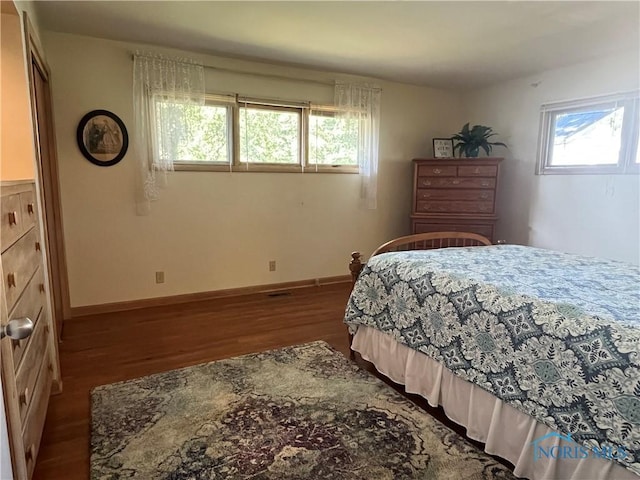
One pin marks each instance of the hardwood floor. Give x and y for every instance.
(107, 348)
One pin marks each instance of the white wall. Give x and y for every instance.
(213, 230)
(16, 147)
(587, 214)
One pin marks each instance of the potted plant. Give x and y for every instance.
(471, 140)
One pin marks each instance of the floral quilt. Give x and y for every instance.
(555, 335)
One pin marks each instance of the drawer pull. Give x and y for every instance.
(13, 218)
(477, 170)
(437, 171)
(41, 287)
(426, 182)
(30, 210)
(11, 280)
(485, 184)
(456, 182)
(29, 453)
(24, 396)
(484, 196)
(37, 246)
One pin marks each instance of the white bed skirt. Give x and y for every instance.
(505, 431)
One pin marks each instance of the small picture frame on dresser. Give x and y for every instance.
(442, 148)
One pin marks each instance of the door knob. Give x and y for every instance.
(17, 329)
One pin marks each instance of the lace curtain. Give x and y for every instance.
(161, 88)
(362, 103)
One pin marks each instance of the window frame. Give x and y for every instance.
(220, 100)
(628, 142)
(234, 103)
(323, 168)
(269, 105)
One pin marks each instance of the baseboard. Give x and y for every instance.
(199, 296)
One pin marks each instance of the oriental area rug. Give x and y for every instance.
(301, 412)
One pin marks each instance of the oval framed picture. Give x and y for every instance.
(102, 138)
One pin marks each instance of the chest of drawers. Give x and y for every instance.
(30, 365)
(455, 195)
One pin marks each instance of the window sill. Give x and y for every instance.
(590, 170)
(257, 168)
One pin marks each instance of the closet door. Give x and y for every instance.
(47, 164)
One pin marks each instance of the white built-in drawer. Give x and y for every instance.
(19, 263)
(11, 222)
(37, 411)
(28, 209)
(27, 372)
(30, 305)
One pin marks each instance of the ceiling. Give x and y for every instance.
(442, 44)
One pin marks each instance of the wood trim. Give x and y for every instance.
(200, 296)
(9, 187)
(49, 183)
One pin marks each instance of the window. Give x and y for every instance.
(333, 141)
(242, 134)
(598, 135)
(270, 134)
(203, 135)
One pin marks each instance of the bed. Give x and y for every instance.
(535, 352)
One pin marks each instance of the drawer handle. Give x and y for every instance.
(426, 182)
(37, 246)
(485, 184)
(29, 454)
(30, 209)
(24, 396)
(11, 280)
(41, 287)
(437, 171)
(484, 196)
(13, 218)
(456, 182)
(477, 170)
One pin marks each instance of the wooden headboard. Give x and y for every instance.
(420, 241)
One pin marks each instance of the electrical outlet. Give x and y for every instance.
(159, 277)
(272, 265)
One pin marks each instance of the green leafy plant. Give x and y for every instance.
(471, 140)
